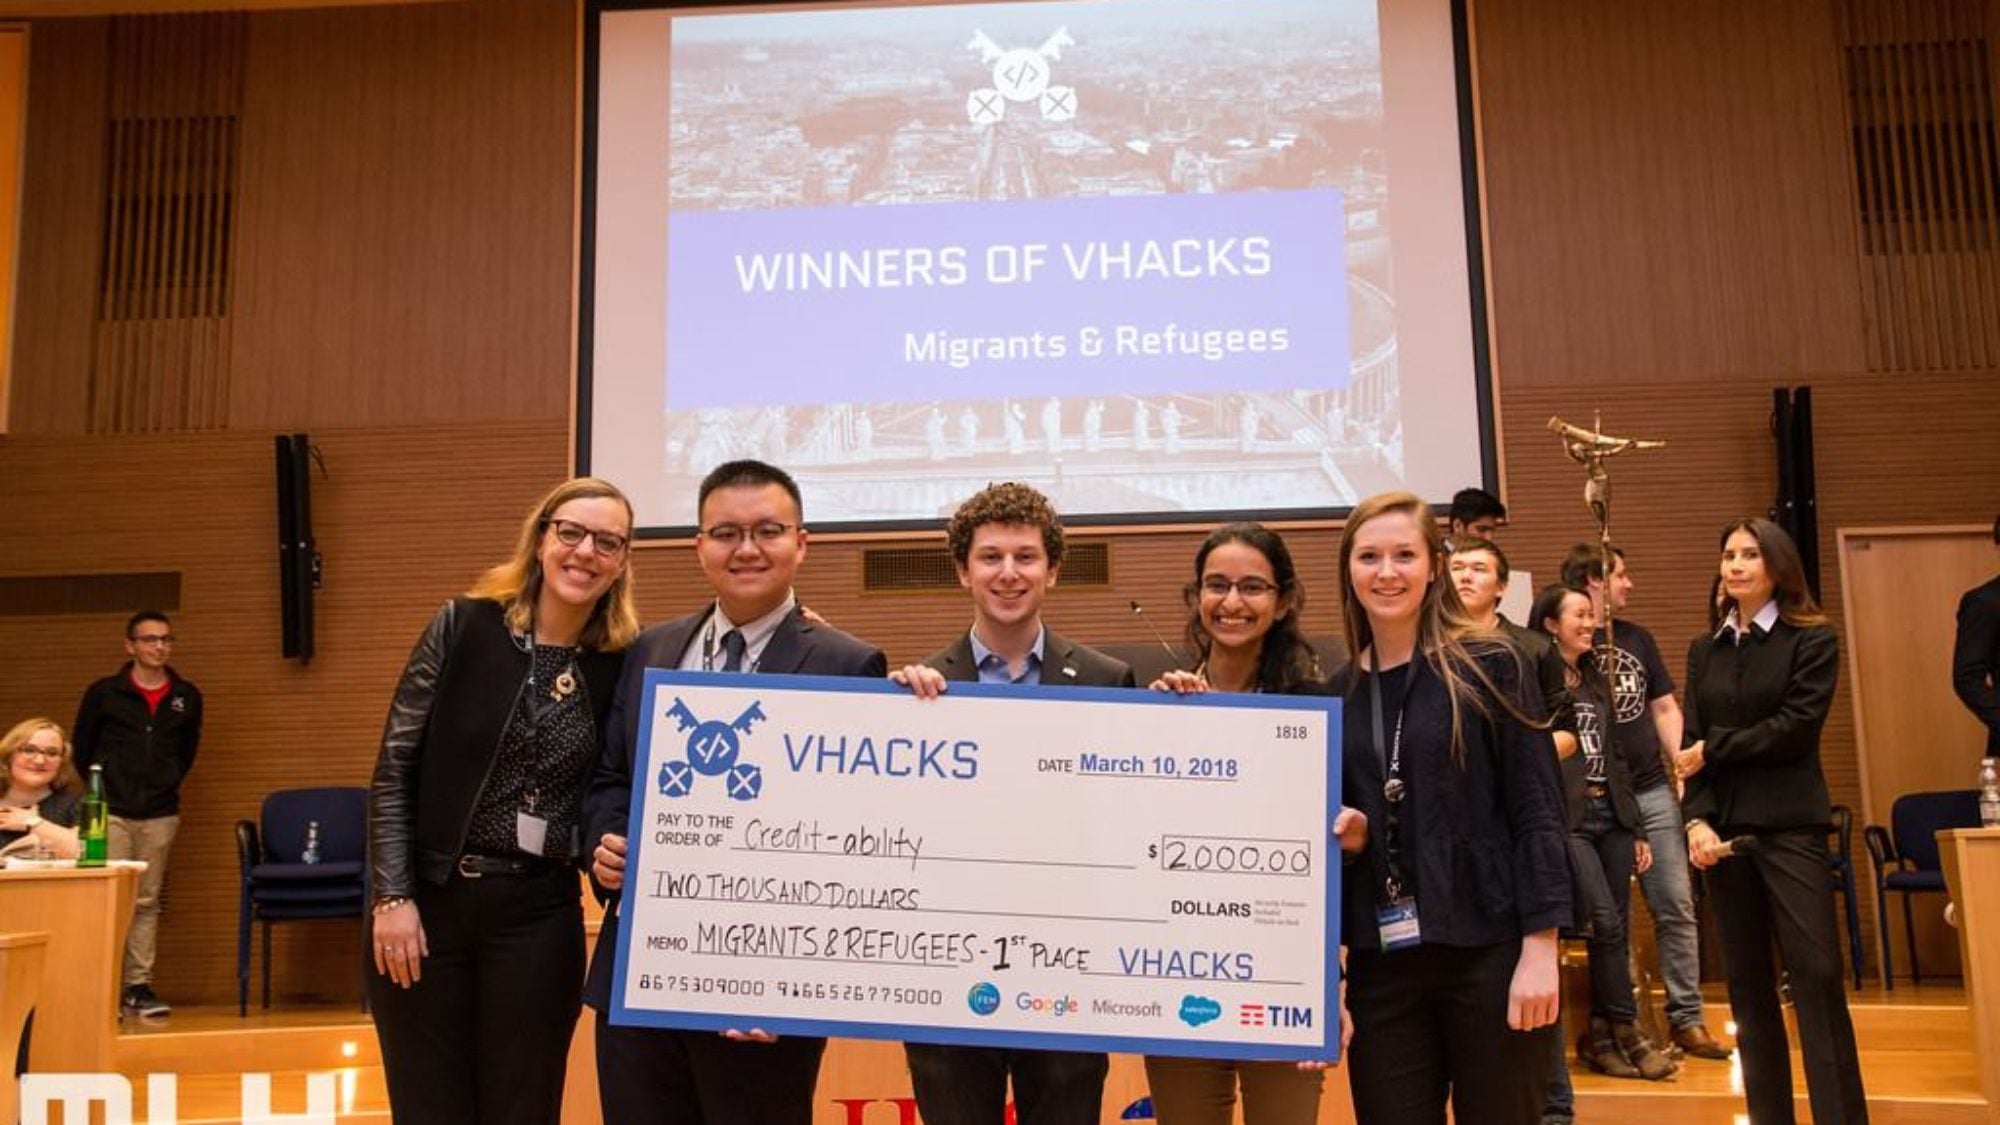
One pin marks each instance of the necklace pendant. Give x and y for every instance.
(565, 684)
(1392, 790)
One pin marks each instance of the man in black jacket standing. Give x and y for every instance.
(143, 725)
(1975, 658)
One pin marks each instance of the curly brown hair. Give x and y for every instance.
(1008, 502)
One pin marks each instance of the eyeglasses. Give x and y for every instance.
(40, 752)
(572, 534)
(153, 639)
(733, 534)
(1216, 586)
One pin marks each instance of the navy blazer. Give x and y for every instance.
(797, 648)
(1063, 662)
(1483, 838)
(1975, 658)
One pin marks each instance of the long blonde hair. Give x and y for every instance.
(66, 777)
(1443, 626)
(516, 583)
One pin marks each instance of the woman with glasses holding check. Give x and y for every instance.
(472, 823)
(1243, 625)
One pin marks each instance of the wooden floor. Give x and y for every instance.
(1916, 1061)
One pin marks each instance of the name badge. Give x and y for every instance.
(531, 832)
(1397, 922)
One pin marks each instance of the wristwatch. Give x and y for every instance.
(33, 821)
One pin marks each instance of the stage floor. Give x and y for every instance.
(1916, 1060)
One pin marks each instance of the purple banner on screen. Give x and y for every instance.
(1104, 295)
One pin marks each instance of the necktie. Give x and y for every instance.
(732, 651)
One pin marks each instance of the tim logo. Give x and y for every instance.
(712, 750)
(1021, 75)
(1273, 1015)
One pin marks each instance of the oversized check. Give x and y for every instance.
(1066, 868)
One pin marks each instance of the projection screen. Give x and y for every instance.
(1170, 261)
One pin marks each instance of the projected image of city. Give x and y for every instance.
(1035, 102)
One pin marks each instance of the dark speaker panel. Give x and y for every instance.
(298, 557)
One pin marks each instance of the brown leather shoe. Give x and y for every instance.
(1651, 1062)
(1598, 1050)
(1694, 1039)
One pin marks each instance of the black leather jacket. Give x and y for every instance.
(441, 737)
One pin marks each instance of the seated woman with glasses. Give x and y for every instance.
(1243, 624)
(43, 791)
(473, 819)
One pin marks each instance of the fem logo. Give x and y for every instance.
(984, 999)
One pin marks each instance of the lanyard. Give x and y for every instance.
(1390, 755)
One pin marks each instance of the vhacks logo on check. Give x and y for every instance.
(712, 751)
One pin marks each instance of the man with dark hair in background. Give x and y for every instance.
(1475, 514)
(1007, 544)
(142, 723)
(1975, 656)
(749, 545)
(1647, 722)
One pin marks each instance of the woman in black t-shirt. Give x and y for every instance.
(1605, 845)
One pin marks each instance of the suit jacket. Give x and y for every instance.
(797, 648)
(1975, 658)
(1760, 706)
(1063, 662)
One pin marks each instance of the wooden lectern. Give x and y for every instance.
(85, 913)
(1972, 878)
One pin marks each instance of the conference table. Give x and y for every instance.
(85, 913)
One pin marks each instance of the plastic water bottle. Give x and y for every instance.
(96, 826)
(1989, 792)
(311, 854)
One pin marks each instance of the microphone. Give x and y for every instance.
(1139, 612)
(1738, 845)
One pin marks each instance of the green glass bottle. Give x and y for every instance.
(96, 826)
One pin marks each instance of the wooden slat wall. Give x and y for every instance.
(1672, 229)
(13, 126)
(1922, 102)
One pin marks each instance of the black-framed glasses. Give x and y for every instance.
(153, 639)
(1216, 586)
(733, 534)
(572, 534)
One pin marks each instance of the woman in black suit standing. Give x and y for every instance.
(1758, 690)
(472, 820)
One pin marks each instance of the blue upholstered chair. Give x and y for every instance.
(1906, 858)
(278, 885)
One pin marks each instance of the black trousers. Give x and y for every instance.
(647, 1075)
(483, 1037)
(968, 1085)
(1781, 892)
(1430, 1025)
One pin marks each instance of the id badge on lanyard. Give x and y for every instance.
(1395, 911)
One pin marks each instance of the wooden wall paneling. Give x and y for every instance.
(1668, 190)
(13, 123)
(1912, 734)
(404, 244)
(61, 199)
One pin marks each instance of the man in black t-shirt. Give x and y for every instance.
(1647, 728)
